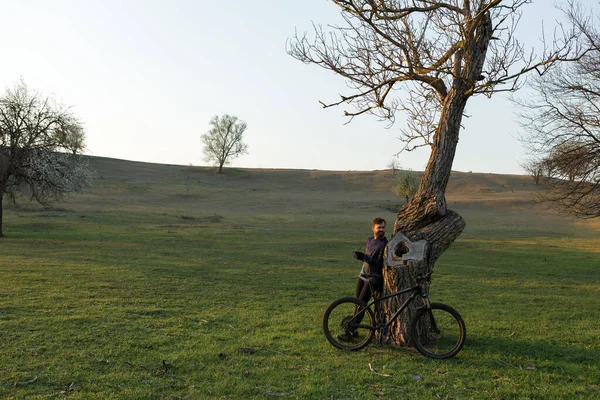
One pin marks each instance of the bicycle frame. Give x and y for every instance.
(417, 290)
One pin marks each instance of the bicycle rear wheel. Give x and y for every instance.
(345, 331)
(438, 333)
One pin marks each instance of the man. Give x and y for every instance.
(372, 260)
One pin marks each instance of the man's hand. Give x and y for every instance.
(359, 255)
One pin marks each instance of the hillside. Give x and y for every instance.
(197, 192)
(170, 184)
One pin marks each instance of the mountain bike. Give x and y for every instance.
(436, 330)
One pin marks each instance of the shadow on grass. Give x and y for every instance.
(531, 352)
(510, 353)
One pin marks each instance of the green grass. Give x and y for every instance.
(136, 291)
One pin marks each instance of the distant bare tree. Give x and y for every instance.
(394, 165)
(562, 123)
(32, 145)
(224, 140)
(427, 58)
(534, 168)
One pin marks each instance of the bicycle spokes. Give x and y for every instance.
(438, 332)
(346, 330)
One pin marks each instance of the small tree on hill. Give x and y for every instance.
(224, 140)
(534, 168)
(38, 160)
(574, 160)
(394, 165)
(406, 184)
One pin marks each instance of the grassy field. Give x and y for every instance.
(170, 282)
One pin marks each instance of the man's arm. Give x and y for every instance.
(365, 257)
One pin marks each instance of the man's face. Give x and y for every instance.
(379, 230)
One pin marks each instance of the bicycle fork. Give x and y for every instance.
(426, 302)
(430, 317)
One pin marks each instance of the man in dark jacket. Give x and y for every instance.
(372, 260)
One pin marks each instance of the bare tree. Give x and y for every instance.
(426, 58)
(574, 160)
(406, 184)
(562, 123)
(33, 162)
(224, 140)
(535, 168)
(394, 165)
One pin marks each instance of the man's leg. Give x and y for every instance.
(363, 292)
(361, 286)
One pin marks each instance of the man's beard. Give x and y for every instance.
(379, 235)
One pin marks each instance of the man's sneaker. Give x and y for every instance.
(348, 336)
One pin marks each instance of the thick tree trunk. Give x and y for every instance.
(429, 202)
(426, 217)
(435, 239)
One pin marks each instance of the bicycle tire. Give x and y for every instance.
(449, 338)
(337, 321)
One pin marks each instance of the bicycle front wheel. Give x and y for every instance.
(348, 324)
(438, 333)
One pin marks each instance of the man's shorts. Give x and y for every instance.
(366, 269)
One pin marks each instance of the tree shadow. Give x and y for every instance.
(518, 353)
(512, 353)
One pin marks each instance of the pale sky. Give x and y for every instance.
(146, 77)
